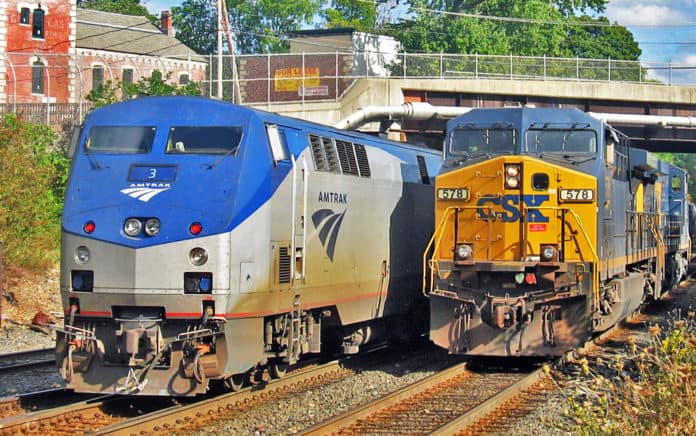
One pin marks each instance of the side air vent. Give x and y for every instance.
(425, 178)
(330, 152)
(320, 162)
(341, 157)
(284, 265)
(363, 162)
(347, 157)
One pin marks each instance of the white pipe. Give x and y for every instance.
(426, 111)
(409, 111)
(645, 120)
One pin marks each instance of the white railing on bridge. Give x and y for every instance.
(273, 78)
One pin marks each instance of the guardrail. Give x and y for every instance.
(299, 77)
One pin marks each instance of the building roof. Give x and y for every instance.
(323, 32)
(128, 34)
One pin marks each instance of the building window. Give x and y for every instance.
(183, 79)
(97, 76)
(38, 27)
(37, 77)
(127, 75)
(24, 14)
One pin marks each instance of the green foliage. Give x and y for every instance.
(433, 27)
(196, 25)
(125, 7)
(156, 84)
(33, 176)
(104, 94)
(349, 13)
(259, 26)
(652, 392)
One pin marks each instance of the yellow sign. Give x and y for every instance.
(290, 79)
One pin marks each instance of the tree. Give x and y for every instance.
(156, 84)
(260, 26)
(125, 7)
(196, 25)
(600, 42)
(349, 13)
(544, 27)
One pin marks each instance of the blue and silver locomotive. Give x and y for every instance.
(207, 241)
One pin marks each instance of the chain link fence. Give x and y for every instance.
(279, 78)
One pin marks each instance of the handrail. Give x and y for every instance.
(661, 248)
(436, 240)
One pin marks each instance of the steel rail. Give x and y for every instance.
(168, 419)
(492, 404)
(351, 417)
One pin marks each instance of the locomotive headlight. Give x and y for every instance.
(512, 176)
(82, 255)
(132, 227)
(548, 253)
(464, 251)
(198, 256)
(512, 170)
(152, 226)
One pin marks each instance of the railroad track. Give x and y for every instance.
(24, 359)
(125, 415)
(441, 404)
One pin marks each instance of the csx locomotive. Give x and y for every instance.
(206, 241)
(549, 228)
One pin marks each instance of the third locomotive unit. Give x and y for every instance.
(549, 228)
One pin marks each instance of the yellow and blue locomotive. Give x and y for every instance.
(549, 227)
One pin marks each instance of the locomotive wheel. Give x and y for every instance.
(277, 368)
(235, 383)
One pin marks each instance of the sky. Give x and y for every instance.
(665, 30)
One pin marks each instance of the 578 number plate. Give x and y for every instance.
(576, 195)
(453, 194)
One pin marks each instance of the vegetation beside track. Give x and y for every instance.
(649, 390)
(33, 174)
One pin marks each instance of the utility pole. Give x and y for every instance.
(219, 49)
(237, 95)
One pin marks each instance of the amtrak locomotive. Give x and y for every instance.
(549, 228)
(207, 241)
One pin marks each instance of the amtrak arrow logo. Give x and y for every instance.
(142, 193)
(328, 223)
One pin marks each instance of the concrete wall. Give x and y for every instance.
(678, 100)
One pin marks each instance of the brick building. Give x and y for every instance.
(53, 52)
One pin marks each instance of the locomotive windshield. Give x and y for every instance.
(561, 141)
(476, 141)
(204, 139)
(120, 139)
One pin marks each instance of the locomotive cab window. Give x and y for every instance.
(120, 139)
(676, 184)
(470, 141)
(561, 141)
(278, 141)
(204, 139)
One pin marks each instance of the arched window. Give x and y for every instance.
(24, 15)
(37, 77)
(127, 75)
(97, 76)
(38, 27)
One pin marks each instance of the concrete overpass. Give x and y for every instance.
(603, 97)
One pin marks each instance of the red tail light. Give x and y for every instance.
(195, 228)
(89, 227)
